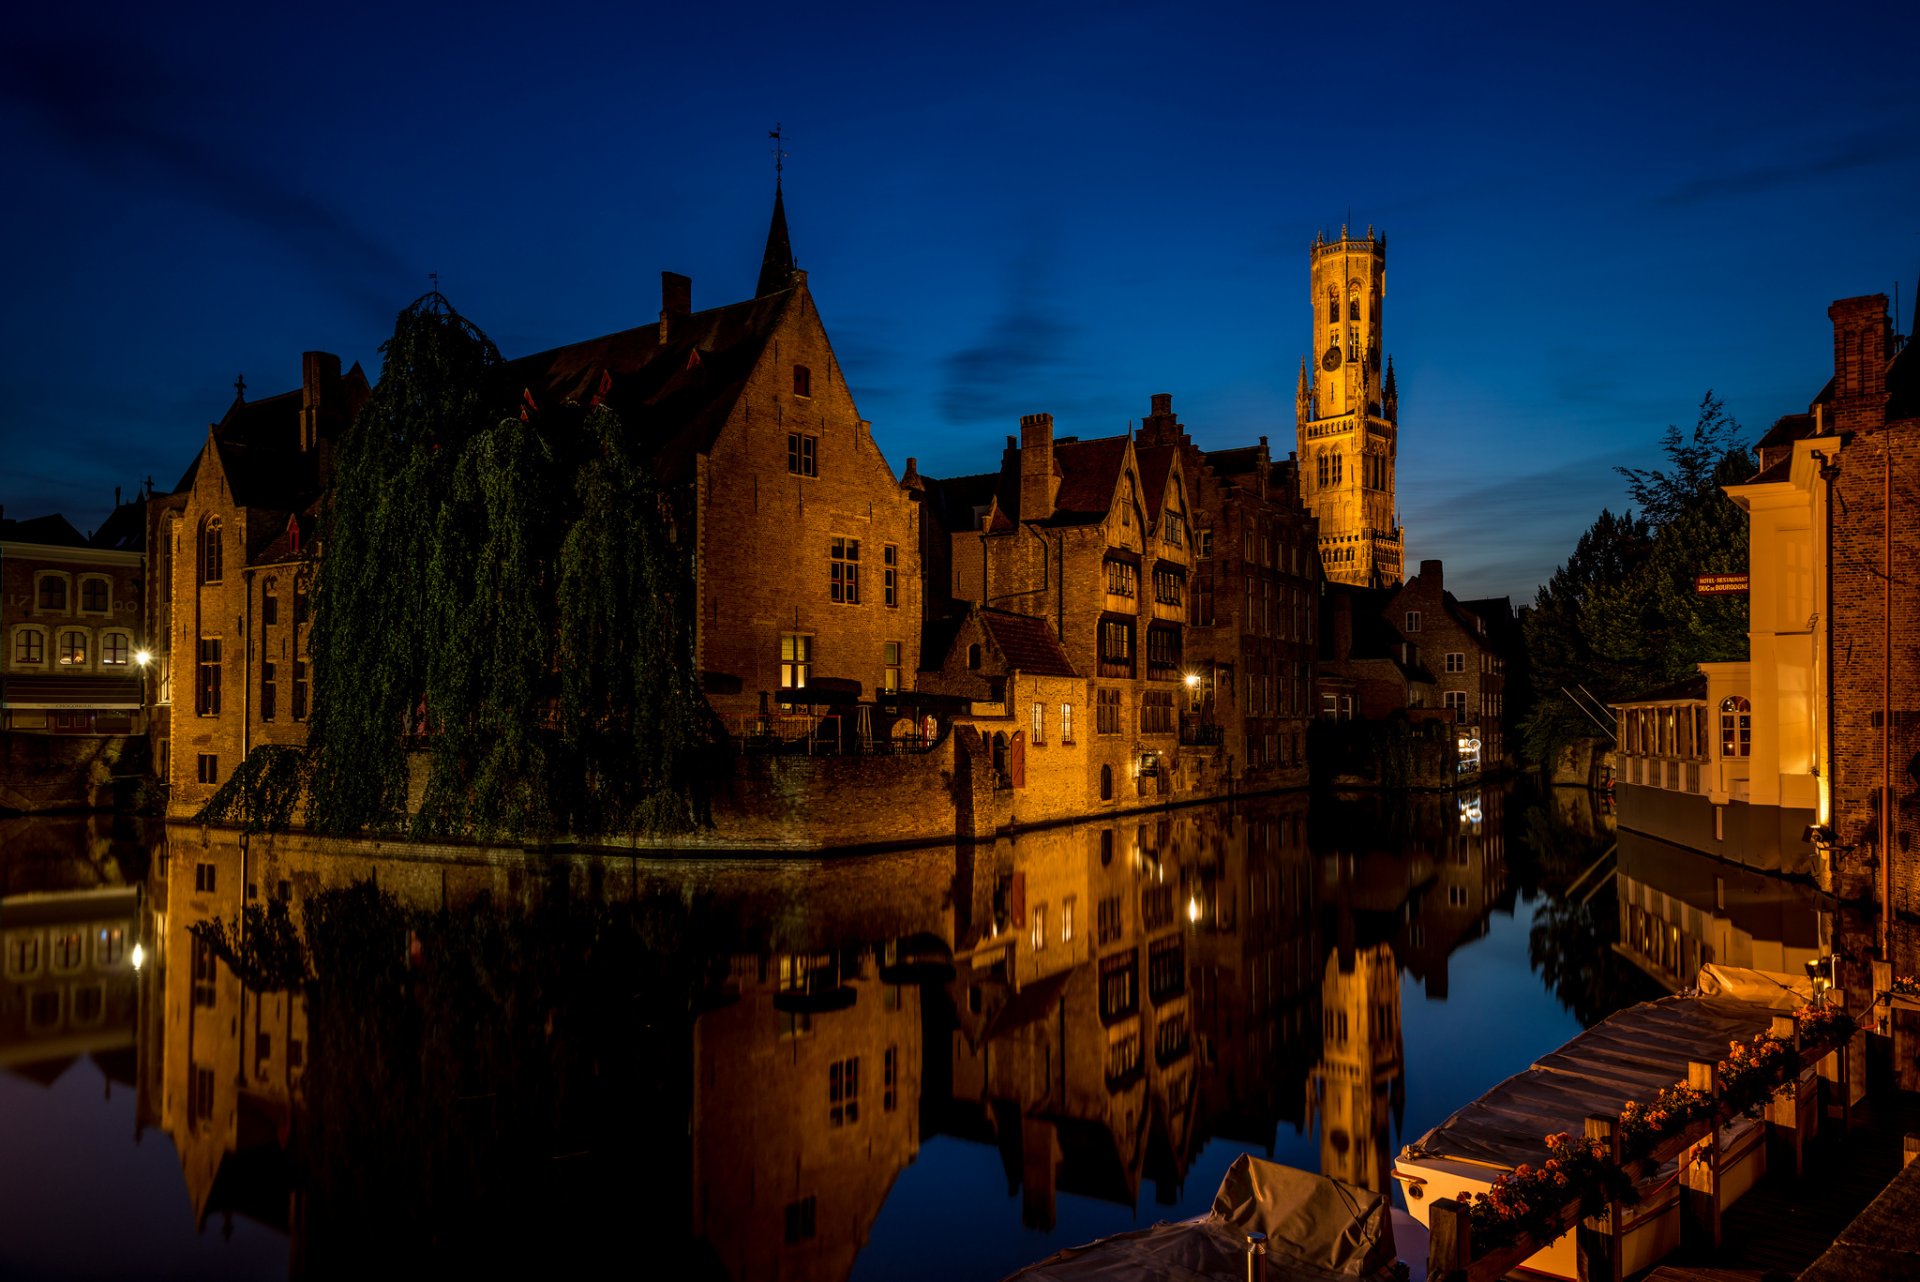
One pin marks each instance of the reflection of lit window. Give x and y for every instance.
(1039, 927)
(108, 946)
(69, 949)
(23, 955)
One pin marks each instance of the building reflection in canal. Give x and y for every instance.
(733, 1063)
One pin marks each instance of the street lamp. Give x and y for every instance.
(143, 657)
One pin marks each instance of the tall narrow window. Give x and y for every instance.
(796, 660)
(802, 381)
(1039, 723)
(890, 574)
(299, 689)
(891, 653)
(207, 698)
(212, 555)
(269, 692)
(1066, 723)
(1736, 727)
(270, 603)
(1413, 620)
(843, 571)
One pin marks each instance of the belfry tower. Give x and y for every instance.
(1347, 413)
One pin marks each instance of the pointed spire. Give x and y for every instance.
(776, 265)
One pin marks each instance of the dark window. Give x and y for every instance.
(1123, 1056)
(1106, 784)
(973, 657)
(270, 604)
(843, 571)
(1119, 985)
(890, 1084)
(1166, 969)
(800, 454)
(800, 1220)
(30, 646)
(1170, 1040)
(843, 1092)
(269, 692)
(1156, 906)
(1116, 648)
(209, 768)
(1169, 585)
(1109, 917)
(890, 574)
(93, 595)
(200, 1100)
(1175, 527)
(302, 603)
(1163, 649)
(802, 381)
(207, 699)
(1106, 710)
(299, 689)
(203, 972)
(53, 593)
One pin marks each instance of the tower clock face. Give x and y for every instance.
(1331, 361)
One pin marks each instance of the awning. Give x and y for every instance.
(66, 692)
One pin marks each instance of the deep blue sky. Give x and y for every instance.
(1595, 214)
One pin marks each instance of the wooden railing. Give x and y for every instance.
(1598, 1247)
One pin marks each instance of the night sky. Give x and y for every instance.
(1595, 214)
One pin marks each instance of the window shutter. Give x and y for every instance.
(1017, 759)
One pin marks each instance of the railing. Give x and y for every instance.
(1196, 734)
(1790, 1116)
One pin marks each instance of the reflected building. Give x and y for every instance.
(1359, 1086)
(1680, 910)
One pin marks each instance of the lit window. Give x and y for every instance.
(800, 454)
(1736, 727)
(1066, 723)
(1039, 936)
(891, 653)
(796, 660)
(1066, 920)
(1039, 723)
(115, 649)
(843, 571)
(72, 649)
(1123, 578)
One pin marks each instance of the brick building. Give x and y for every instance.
(1468, 668)
(805, 546)
(232, 575)
(71, 625)
(1253, 603)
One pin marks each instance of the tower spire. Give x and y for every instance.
(776, 264)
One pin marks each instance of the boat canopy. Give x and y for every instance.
(1318, 1230)
(1630, 1055)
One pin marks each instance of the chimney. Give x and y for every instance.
(676, 299)
(1430, 575)
(1862, 334)
(1036, 467)
(319, 376)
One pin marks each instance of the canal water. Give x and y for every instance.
(254, 1058)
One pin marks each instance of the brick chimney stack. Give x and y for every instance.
(1862, 340)
(1160, 427)
(1036, 467)
(319, 376)
(1430, 575)
(676, 299)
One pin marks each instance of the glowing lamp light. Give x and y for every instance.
(138, 956)
(1193, 679)
(1193, 908)
(143, 657)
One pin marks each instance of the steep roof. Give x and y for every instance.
(776, 264)
(1027, 644)
(1903, 385)
(678, 394)
(48, 531)
(1238, 461)
(1156, 461)
(1089, 471)
(124, 530)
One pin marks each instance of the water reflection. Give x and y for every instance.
(504, 1058)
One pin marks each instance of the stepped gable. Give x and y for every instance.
(1027, 643)
(678, 394)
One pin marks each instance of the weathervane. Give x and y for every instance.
(240, 387)
(435, 278)
(779, 153)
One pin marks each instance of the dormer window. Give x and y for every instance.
(802, 381)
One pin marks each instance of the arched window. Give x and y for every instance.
(1333, 306)
(1736, 727)
(1353, 307)
(973, 657)
(1106, 794)
(211, 555)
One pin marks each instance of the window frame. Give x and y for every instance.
(212, 552)
(105, 584)
(22, 634)
(106, 649)
(843, 570)
(42, 579)
(65, 649)
(803, 454)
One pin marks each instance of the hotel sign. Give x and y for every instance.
(1719, 584)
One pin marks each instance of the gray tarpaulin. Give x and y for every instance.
(1630, 1055)
(1318, 1230)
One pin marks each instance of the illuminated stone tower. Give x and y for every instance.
(1347, 414)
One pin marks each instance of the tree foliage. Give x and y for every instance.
(1621, 617)
(501, 606)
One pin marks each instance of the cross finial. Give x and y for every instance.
(779, 151)
(240, 387)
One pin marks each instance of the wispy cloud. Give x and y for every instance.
(1020, 357)
(113, 105)
(1861, 150)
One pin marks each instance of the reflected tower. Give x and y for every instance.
(1347, 413)
(1361, 1079)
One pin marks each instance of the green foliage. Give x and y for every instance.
(1621, 617)
(263, 793)
(262, 948)
(508, 598)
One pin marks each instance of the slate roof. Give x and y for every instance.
(677, 395)
(1089, 471)
(1903, 385)
(1027, 644)
(124, 530)
(1156, 461)
(1234, 462)
(48, 531)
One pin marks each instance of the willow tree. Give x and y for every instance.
(375, 604)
